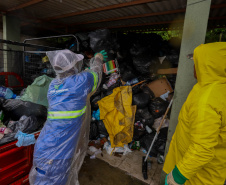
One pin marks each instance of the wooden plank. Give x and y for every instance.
(167, 71)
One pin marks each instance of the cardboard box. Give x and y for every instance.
(167, 71)
(160, 87)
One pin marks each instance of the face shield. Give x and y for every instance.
(64, 61)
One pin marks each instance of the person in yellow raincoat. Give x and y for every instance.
(197, 152)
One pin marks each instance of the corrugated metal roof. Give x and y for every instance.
(5, 5)
(59, 15)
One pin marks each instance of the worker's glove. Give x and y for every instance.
(170, 180)
(175, 177)
(102, 55)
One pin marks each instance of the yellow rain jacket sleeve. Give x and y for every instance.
(198, 147)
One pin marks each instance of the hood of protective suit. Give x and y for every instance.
(210, 63)
(64, 60)
(198, 146)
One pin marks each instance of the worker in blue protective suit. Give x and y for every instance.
(61, 146)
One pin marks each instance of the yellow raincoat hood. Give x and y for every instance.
(198, 146)
(210, 63)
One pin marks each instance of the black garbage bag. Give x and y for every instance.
(136, 89)
(111, 54)
(145, 142)
(103, 40)
(144, 113)
(159, 145)
(101, 128)
(128, 75)
(161, 141)
(157, 107)
(138, 133)
(145, 89)
(25, 124)
(122, 55)
(14, 109)
(93, 134)
(144, 116)
(173, 59)
(148, 122)
(141, 100)
(94, 101)
(145, 64)
(98, 39)
(138, 49)
(122, 67)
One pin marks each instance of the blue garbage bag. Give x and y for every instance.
(24, 139)
(96, 114)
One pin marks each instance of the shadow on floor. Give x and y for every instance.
(98, 172)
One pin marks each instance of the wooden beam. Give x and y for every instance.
(24, 5)
(110, 7)
(218, 6)
(141, 15)
(147, 24)
(164, 22)
(156, 23)
(132, 25)
(217, 18)
(130, 17)
(126, 17)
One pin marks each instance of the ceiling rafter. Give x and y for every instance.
(148, 24)
(110, 7)
(24, 5)
(163, 22)
(136, 2)
(142, 15)
(217, 18)
(130, 17)
(133, 25)
(218, 6)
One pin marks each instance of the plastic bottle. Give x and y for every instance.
(6, 93)
(133, 81)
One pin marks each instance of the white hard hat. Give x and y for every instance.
(63, 60)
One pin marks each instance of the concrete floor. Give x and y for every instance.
(112, 170)
(98, 172)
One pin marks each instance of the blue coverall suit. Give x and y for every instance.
(55, 147)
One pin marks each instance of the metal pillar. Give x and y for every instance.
(194, 32)
(11, 60)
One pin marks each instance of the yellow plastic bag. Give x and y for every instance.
(118, 115)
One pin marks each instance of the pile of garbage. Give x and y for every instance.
(22, 115)
(133, 61)
(129, 104)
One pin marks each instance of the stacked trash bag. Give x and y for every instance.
(23, 114)
(137, 58)
(125, 110)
